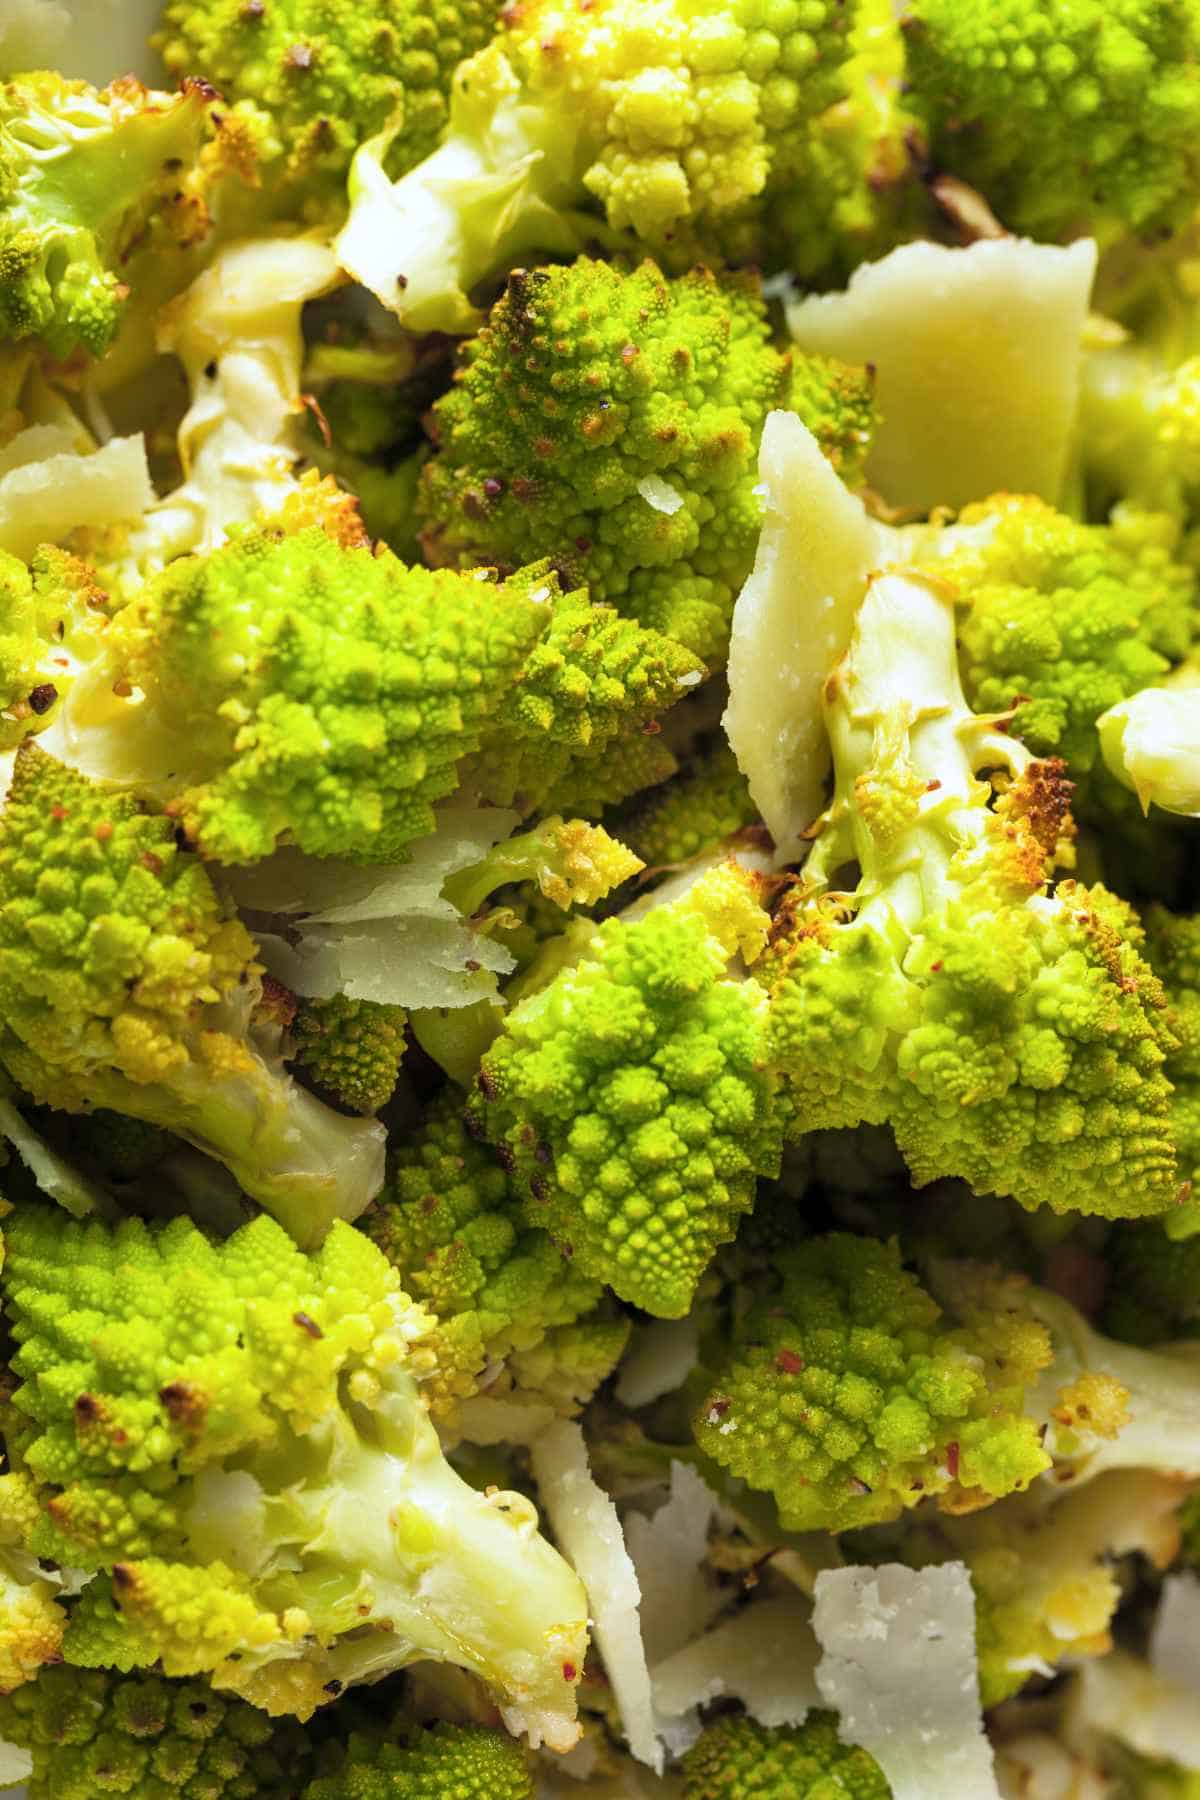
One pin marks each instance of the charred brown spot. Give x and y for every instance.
(487, 1085)
(87, 1409)
(184, 1405)
(149, 861)
(307, 1324)
(717, 1407)
(42, 697)
(952, 1460)
(538, 1189)
(198, 88)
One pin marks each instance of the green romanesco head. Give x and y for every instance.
(113, 941)
(442, 1762)
(52, 616)
(304, 687)
(1072, 117)
(32, 1620)
(1061, 620)
(575, 730)
(99, 1636)
(681, 107)
(738, 1759)
(104, 1733)
(234, 1433)
(351, 1049)
(450, 1223)
(1009, 1035)
(692, 813)
(609, 418)
(850, 1395)
(330, 73)
(84, 178)
(630, 1097)
(1173, 950)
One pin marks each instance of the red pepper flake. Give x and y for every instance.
(789, 1362)
(952, 1460)
(569, 1671)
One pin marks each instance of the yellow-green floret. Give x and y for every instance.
(52, 616)
(1075, 116)
(85, 177)
(235, 1434)
(444, 1762)
(1009, 1034)
(329, 73)
(851, 1396)
(128, 983)
(151, 1739)
(449, 1221)
(609, 419)
(738, 1759)
(352, 1049)
(630, 1097)
(1061, 620)
(302, 686)
(32, 1620)
(693, 812)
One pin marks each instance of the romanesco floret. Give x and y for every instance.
(32, 1622)
(443, 1762)
(1071, 117)
(852, 1391)
(84, 177)
(659, 122)
(1009, 1035)
(610, 419)
(738, 1759)
(236, 1433)
(692, 813)
(52, 617)
(328, 75)
(298, 685)
(149, 1739)
(351, 1049)
(851, 1396)
(449, 1221)
(630, 1096)
(1062, 620)
(128, 983)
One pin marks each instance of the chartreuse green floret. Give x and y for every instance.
(32, 1622)
(1011, 1036)
(1073, 117)
(449, 1221)
(441, 1762)
(630, 1096)
(150, 1739)
(86, 177)
(301, 686)
(852, 1390)
(236, 1435)
(692, 813)
(52, 619)
(736, 1758)
(1061, 619)
(656, 121)
(351, 1049)
(851, 1396)
(609, 418)
(98, 1636)
(127, 983)
(330, 73)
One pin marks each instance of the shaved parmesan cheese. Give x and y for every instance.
(589, 1535)
(977, 355)
(1175, 1641)
(1151, 742)
(659, 494)
(670, 1554)
(482, 1420)
(790, 625)
(44, 499)
(15, 1765)
(1037, 1767)
(766, 1657)
(381, 934)
(899, 1669)
(660, 1359)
